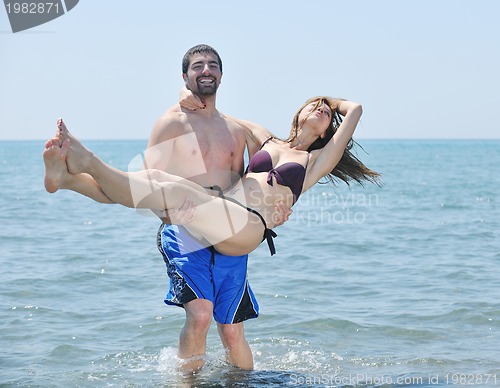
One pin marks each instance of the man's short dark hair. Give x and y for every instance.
(199, 49)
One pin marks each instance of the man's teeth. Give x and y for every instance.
(206, 80)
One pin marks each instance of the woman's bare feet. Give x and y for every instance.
(78, 157)
(54, 157)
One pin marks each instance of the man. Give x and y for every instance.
(206, 147)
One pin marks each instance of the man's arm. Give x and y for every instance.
(157, 156)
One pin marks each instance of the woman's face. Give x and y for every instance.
(316, 117)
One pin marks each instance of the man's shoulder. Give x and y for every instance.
(173, 116)
(253, 131)
(171, 124)
(231, 122)
(171, 120)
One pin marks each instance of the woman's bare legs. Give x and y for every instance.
(116, 184)
(58, 177)
(233, 234)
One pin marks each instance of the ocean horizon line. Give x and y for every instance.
(409, 139)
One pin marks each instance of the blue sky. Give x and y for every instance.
(421, 69)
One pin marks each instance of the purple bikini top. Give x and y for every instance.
(290, 174)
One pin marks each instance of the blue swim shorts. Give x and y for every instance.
(197, 271)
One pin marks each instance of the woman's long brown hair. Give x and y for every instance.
(349, 167)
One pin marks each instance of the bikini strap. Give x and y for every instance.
(266, 141)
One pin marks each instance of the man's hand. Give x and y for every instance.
(181, 216)
(189, 101)
(281, 213)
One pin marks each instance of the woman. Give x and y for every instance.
(318, 146)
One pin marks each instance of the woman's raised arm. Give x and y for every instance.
(328, 157)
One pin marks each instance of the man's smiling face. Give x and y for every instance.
(203, 75)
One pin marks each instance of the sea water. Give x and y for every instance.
(396, 285)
